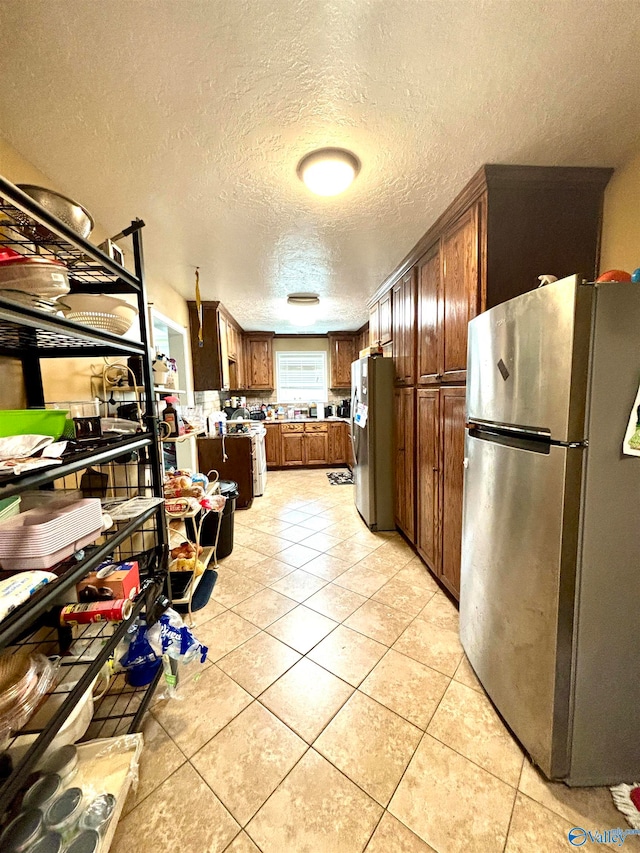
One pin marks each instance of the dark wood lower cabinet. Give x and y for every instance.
(452, 425)
(404, 461)
(292, 449)
(338, 438)
(237, 466)
(301, 444)
(272, 445)
(316, 451)
(434, 474)
(428, 477)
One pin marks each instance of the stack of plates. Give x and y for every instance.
(37, 276)
(40, 538)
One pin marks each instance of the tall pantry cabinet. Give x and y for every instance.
(509, 225)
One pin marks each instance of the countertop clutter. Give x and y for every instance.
(86, 631)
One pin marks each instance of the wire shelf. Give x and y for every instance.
(114, 712)
(23, 329)
(30, 230)
(134, 538)
(84, 649)
(77, 457)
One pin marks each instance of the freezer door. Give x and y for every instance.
(528, 359)
(518, 576)
(362, 469)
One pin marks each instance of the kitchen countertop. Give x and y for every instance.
(306, 420)
(334, 419)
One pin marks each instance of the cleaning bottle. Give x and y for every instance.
(172, 417)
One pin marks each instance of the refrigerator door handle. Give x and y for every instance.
(355, 444)
(354, 398)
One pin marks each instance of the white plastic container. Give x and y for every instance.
(41, 537)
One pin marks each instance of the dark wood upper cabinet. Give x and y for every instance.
(374, 325)
(362, 339)
(259, 361)
(509, 225)
(219, 364)
(459, 293)
(342, 352)
(384, 318)
(207, 359)
(404, 328)
(428, 356)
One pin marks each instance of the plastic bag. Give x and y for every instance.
(19, 588)
(139, 650)
(170, 636)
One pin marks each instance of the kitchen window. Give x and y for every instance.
(301, 377)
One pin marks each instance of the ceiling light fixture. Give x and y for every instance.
(328, 171)
(303, 299)
(301, 307)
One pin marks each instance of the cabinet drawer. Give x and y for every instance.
(292, 427)
(316, 427)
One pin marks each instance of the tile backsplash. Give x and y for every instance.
(213, 401)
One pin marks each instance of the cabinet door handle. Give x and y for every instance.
(435, 470)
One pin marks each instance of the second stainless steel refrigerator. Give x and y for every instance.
(550, 593)
(372, 437)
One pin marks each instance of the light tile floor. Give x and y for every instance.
(336, 712)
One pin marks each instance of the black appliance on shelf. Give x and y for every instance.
(344, 409)
(237, 414)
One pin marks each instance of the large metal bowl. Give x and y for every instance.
(68, 211)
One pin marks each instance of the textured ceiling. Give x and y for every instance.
(194, 114)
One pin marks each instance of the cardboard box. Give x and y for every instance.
(124, 582)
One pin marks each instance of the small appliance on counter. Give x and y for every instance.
(329, 411)
(344, 410)
(258, 413)
(239, 413)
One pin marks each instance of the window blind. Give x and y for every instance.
(301, 377)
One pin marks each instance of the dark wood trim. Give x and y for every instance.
(497, 174)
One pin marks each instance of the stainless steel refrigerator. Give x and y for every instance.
(550, 587)
(372, 438)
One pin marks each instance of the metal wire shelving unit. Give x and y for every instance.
(131, 465)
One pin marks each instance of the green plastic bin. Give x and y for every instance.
(32, 422)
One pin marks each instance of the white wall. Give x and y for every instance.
(69, 379)
(621, 223)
